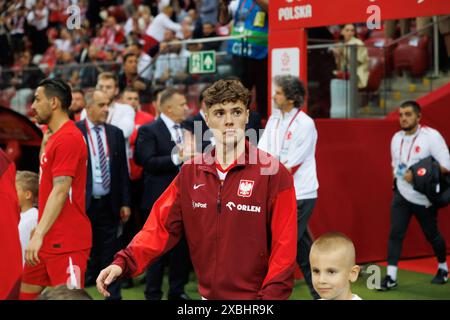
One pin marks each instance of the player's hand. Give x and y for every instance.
(32, 250)
(408, 176)
(106, 277)
(125, 213)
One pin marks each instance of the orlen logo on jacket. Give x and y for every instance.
(242, 207)
(417, 149)
(245, 188)
(198, 205)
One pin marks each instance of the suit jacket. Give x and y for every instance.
(120, 181)
(189, 124)
(153, 152)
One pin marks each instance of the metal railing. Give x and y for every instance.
(396, 83)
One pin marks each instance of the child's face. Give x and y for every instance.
(23, 196)
(332, 273)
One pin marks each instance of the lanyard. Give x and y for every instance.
(289, 125)
(241, 7)
(92, 143)
(410, 148)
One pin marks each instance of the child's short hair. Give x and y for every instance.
(29, 181)
(63, 293)
(333, 241)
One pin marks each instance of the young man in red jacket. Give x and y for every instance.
(235, 204)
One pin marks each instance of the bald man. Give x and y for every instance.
(333, 267)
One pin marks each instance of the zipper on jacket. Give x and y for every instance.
(219, 199)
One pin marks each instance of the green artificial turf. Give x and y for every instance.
(411, 286)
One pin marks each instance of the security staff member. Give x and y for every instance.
(408, 146)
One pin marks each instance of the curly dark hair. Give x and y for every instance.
(292, 87)
(224, 91)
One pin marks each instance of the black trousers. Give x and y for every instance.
(179, 263)
(253, 73)
(401, 212)
(304, 211)
(104, 241)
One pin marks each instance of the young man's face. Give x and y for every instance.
(227, 121)
(332, 273)
(280, 99)
(131, 98)
(41, 107)
(108, 86)
(409, 119)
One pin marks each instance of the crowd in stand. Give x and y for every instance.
(37, 42)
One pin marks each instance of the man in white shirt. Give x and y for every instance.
(408, 146)
(155, 31)
(291, 136)
(119, 114)
(38, 20)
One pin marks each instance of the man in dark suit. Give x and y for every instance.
(108, 185)
(197, 125)
(161, 149)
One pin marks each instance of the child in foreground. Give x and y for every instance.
(333, 267)
(27, 186)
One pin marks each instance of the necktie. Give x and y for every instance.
(177, 133)
(106, 181)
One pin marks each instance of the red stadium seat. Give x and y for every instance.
(376, 74)
(382, 48)
(412, 55)
(377, 34)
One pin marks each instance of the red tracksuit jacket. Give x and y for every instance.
(242, 235)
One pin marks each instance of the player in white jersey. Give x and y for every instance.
(408, 146)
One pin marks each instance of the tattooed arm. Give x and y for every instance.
(53, 207)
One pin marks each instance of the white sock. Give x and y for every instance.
(392, 272)
(443, 266)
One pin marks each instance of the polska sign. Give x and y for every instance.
(293, 14)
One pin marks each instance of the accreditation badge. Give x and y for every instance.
(400, 170)
(260, 19)
(239, 27)
(98, 178)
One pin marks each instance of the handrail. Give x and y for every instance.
(42, 66)
(214, 39)
(324, 46)
(417, 31)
